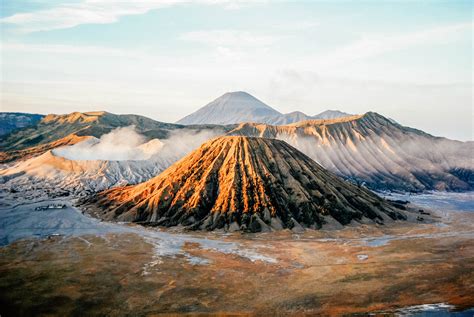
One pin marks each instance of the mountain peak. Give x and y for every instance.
(238, 93)
(231, 107)
(239, 107)
(244, 183)
(243, 99)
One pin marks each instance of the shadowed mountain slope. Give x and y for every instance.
(54, 127)
(241, 183)
(373, 150)
(58, 130)
(10, 121)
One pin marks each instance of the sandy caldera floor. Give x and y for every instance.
(147, 272)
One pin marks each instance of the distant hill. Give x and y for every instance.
(287, 118)
(331, 114)
(10, 121)
(239, 107)
(242, 183)
(55, 130)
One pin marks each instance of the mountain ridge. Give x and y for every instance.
(366, 149)
(244, 183)
(56, 127)
(372, 150)
(237, 107)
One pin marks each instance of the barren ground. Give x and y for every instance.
(150, 272)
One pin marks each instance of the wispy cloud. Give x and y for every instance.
(67, 49)
(99, 12)
(241, 38)
(372, 45)
(87, 12)
(232, 45)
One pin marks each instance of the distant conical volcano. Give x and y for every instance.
(239, 106)
(231, 107)
(244, 183)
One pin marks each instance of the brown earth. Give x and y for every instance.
(98, 276)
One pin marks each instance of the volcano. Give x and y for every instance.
(240, 107)
(244, 183)
(230, 108)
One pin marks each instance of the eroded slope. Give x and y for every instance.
(244, 183)
(372, 150)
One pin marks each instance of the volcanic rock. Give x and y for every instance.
(247, 183)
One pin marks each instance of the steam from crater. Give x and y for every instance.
(123, 144)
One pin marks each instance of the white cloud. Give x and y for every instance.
(87, 12)
(118, 145)
(372, 45)
(99, 12)
(229, 54)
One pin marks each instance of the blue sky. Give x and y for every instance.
(408, 60)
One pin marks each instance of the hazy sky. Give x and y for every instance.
(408, 60)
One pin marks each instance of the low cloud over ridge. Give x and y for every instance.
(125, 144)
(119, 145)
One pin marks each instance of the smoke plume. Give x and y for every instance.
(125, 144)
